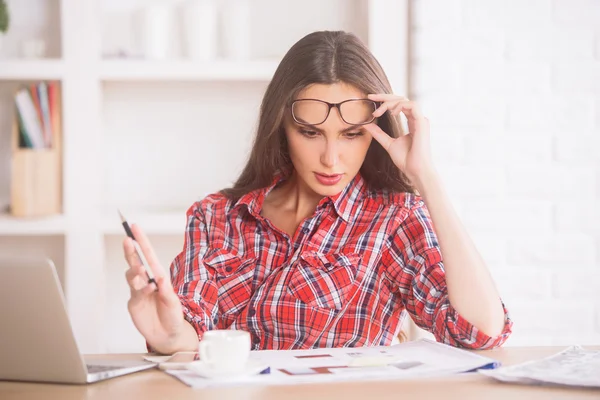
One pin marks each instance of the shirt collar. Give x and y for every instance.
(344, 202)
(254, 200)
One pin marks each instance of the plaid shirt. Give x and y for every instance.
(345, 279)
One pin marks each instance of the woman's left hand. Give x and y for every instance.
(410, 152)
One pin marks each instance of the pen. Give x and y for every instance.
(138, 250)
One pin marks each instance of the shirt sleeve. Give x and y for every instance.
(415, 269)
(194, 285)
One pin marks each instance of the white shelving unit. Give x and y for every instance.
(185, 70)
(150, 137)
(32, 70)
(12, 226)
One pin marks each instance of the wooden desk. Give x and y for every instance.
(153, 384)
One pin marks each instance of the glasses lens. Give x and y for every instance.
(357, 112)
(310, 112)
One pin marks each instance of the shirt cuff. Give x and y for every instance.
(464, 334)
(193, 314)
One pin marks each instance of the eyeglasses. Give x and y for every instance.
(315, 112)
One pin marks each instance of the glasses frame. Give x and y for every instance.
(332, 105)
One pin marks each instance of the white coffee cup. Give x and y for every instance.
(225, 350)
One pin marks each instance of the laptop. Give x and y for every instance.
(37, 343)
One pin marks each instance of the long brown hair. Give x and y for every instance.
(324, 57)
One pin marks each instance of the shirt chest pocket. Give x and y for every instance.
(233, 275)
(324, 280)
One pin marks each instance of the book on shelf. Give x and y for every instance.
(45, 109)
(37, 114)
(24, 141)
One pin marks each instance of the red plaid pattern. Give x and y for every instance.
(348, 277)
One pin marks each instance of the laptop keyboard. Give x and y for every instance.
(93, 369)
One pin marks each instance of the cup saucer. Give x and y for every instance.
(252, 367)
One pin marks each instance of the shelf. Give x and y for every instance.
(31, 69)
(153, 223)
(156, 223)
(15, 226)
(140, 70)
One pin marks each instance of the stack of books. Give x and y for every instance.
(38, 108)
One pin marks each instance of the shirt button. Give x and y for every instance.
(228, 269)
(216, 320)
(251, 312)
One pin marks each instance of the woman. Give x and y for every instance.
(323, 241)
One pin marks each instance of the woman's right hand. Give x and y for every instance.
(155, 309)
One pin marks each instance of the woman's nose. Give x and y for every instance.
(330, 156)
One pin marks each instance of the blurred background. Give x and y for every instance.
(147, 106)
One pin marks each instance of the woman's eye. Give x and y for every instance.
(308, 133)
(353, 135)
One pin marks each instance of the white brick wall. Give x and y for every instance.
(512, 90)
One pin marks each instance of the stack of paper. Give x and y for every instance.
(423, 358)
(574, 366)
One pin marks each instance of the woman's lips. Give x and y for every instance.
(328, 180)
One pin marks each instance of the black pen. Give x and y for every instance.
(138, 250)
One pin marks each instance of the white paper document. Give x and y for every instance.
(423, 358)
(575, 366)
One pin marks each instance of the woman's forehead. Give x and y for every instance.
(332, 93)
